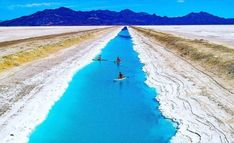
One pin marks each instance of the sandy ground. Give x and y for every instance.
(221, 34)
(28, 92)
(203, 110)
(16, 33)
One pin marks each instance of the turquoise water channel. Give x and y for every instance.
(94, 109)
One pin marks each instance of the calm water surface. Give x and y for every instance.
(94, 109)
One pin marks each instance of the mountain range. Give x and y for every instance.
(67, 17)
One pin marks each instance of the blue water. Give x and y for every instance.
(94, 109)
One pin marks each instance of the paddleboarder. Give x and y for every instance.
(121, 76)
(118, 60)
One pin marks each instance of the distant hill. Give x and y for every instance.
(68, 17)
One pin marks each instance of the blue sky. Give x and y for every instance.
(225, 8)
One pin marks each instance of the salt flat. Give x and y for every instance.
(15, 33)
(221, 34)
(28, 91)
(202, 108)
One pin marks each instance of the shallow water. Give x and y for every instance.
(94, 109)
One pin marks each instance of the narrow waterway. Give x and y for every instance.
(94, 109)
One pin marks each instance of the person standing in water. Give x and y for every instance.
(118, 60)
(99, 58)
